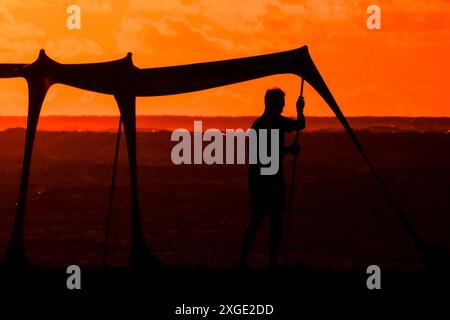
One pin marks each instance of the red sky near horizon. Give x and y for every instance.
(400, 70)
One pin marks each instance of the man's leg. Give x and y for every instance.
(276, 221)
(256, 221)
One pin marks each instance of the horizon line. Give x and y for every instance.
(219, 116)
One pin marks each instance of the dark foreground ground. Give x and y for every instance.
(194, 217)
(291, 293)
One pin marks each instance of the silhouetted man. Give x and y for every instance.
(267, 192)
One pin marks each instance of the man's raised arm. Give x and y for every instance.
(299, 124)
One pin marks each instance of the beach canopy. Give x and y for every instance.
(126, 82)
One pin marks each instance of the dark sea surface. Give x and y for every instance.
(194, 216)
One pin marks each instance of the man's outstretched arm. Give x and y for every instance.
(296, 125)
(299, 123)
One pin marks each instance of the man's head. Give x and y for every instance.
(274, 101)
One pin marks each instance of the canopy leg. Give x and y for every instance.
(15, 253)
(140, 254)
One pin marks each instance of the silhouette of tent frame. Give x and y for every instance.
(125, 82)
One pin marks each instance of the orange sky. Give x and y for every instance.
(400, 70)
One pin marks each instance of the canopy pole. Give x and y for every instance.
(292, 190)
